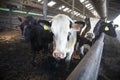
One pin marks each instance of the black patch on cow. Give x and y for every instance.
(97, 27)
(68, 37)
(70, 24)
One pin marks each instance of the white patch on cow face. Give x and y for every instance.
(93, 22)
(82, 30)
(61, 28)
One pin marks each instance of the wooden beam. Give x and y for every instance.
(30, 4)
(45, 8)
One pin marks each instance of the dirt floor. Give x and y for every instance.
(15, 61)
(16, 57)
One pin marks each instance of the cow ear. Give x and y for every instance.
(115, 26)
(19, 18)
(111, 22)
(77, 26)
(81, 24)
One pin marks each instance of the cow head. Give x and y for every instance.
(94, 27)
(109, 29)
(64, 30)
(89, 28)
(26, 25)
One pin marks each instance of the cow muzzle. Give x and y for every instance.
(90, 36)
(58, 55)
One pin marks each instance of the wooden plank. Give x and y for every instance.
(30, 4)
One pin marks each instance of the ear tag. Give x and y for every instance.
(45, 27)
(106, 28)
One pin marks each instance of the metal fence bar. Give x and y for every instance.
(88, 67)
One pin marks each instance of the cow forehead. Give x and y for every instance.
(61, 27)
(93, 22)
(89, 26)
(61, 24)
(62, 16)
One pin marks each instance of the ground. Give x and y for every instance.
(15, 61)
(16, 57)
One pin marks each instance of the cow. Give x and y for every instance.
(65, 35)
(26, 24)
(34, 32)
(91, 32)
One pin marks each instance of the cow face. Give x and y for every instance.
(64, 31)
(90, 25)
(109, 29)
(26, 25)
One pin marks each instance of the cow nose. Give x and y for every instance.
(90, 36)
(58, 55)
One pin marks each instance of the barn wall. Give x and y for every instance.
(9, 20)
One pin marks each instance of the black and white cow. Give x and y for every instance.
(65, 35)
(91, 32)
(34, 32)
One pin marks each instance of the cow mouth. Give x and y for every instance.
(90, 39)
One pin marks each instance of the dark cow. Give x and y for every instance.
(90, 33)
(34, 32)
(26, 25)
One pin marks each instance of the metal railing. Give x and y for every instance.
(88, 67)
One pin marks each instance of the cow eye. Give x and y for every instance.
(107, 28)
(68, 37)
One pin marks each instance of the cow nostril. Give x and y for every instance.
(54, 54)
(89, 35)
(58, 55)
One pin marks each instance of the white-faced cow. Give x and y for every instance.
(33, 32)
(91, 32)
(65, 35)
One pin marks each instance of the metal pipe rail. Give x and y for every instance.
(88, 67)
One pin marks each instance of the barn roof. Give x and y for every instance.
(82, 8)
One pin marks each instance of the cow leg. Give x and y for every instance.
(45, 49)
(34, 56)
(86, 48)
(76, 47)
(81, 52)
(67, 61)
(50, 47)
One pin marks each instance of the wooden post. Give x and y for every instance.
(45, 9)
(10, 18)
(73, 5)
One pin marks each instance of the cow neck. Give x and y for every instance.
(98, 30)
